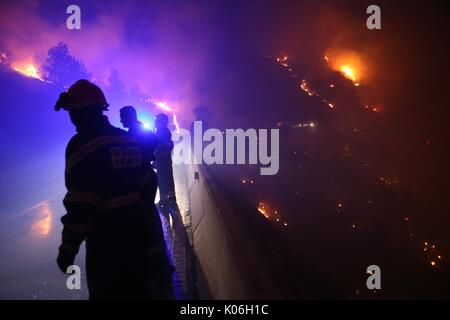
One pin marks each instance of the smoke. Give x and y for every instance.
(162, 49)
(190, 54)
(173, 51)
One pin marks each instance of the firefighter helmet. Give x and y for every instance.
(162, 118)
(82, 94)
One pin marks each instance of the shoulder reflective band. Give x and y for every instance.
(93, 145)
(120, 201)
(83, 197)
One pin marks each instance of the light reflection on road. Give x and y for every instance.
(29, 241)
(43, 226)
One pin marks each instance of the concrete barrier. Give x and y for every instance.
(229, 265)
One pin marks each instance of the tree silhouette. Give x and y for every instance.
(114, 81)
(116, 88)
(61, 68)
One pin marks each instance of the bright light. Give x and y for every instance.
(282, 59)
(163, 105)
(348, 62)
(43, 225)
(263, 211)
(147, 120)
(348, 72)
(28, 70)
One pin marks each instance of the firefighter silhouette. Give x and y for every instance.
(163, 164)
(147, 139)
(110, 205)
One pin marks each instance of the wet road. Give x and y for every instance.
(29, 240)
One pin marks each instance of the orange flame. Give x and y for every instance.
(264, 209)
(28, 70)
(348, 72)
(348, 63)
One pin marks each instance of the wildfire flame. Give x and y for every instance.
(432, 254)
(270, 213)
(348, 63)
(263, 210)
(348, 72)
(163, 106)
(28, 70)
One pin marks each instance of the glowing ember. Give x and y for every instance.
(263, 210)
(305, 87)
(269, 213)
(283, 61)
(432, 254)
(29, 70)
(356, 225)
(303, 125)
(247, 181)
(283, 58)
(347, 63)
(340, 207)
(373, 109)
